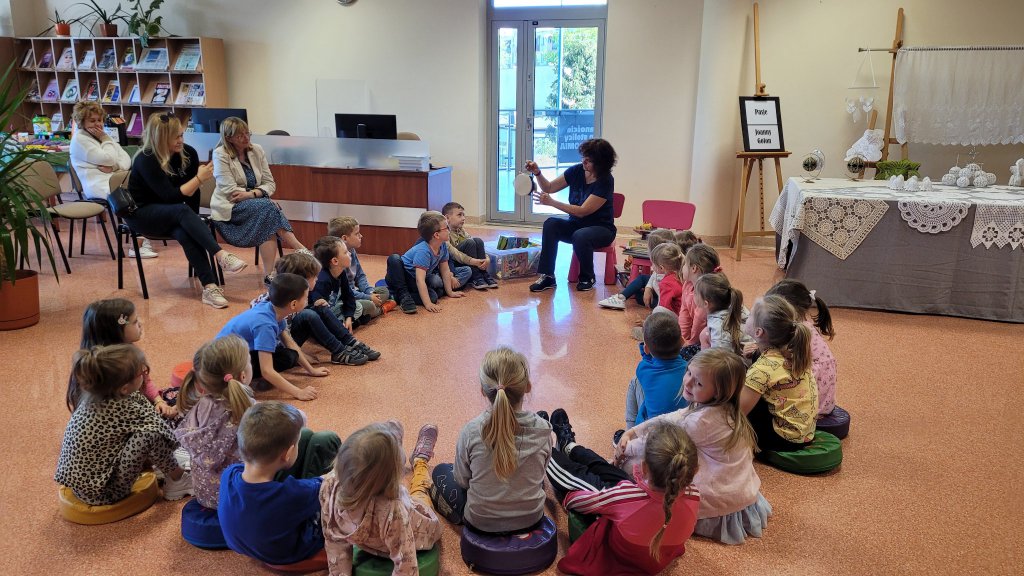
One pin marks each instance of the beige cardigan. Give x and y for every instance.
(230, 177)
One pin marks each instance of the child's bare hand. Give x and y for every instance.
(484, 263)
(620, 448)
(431, 307)
(375, 298)
(454, 294)
(307, 393)
(348, 323)
(749, 348)
(318, 372)
(166, 410)
(320, 302)
(648, 297)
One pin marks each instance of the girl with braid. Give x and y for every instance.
(644, 523)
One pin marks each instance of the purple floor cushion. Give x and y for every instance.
(513, 554)
(837, 423)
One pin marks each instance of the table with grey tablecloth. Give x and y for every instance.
(950, 251)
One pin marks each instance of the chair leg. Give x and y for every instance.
(610, 261)
(120, 261)
(71, 238)
(60, 246)
(102, 223)
(574, 269)
(138, 262)
(257, 258)
(84, 228)
(280, 247)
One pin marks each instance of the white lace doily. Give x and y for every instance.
(839, 225)
(935, 216)
(999, 225)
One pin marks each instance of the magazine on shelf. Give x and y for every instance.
(88, 60)
(134, 95)
(92, 91)
(135, 125)
(188, 60)
(56, 122)
(128, 61)
(67, 60)
(52, 92)
(161, 93)
(108, 61)
(152, 59)
(27, 61)
(112, 94)
(191, 94)
(70, 91)
(33, 91)
(47, 60)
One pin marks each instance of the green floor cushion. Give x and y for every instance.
(823, 454)
(578, 524)
(366, 564)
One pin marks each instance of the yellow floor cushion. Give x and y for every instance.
(144, 493)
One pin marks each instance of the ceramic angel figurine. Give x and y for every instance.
(869, 146)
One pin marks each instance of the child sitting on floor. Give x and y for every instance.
(269, 507)
(731, 504)
(271, 345)
(654, 390)
(700, 259)
(332, 291)
(114, 434)
(667, 259)
(823, 363)
(645, 286)
(726, 315)
(467, 250)
(365, 504)
(371, 301)
(645, 520)
(418, 276)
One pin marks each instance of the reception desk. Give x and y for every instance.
(322, 178)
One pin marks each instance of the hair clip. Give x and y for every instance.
(717, 269)
(165, 118)
(122, 319)
(813, 297)
(228, 377)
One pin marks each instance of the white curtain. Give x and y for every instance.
(970, 95)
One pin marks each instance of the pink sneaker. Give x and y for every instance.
(425, 443)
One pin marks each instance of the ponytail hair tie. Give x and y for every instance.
(228, 377)
(500, 387)
(717, 269)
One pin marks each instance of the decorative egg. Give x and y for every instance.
(912, 185)
(963, 182)
(926, 184)
(966, 172)
(973, 166)
(955, 170)
(980, 180)
(949, 179)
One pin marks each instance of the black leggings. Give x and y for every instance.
(178, 221)
(761, 420)
(581, 469)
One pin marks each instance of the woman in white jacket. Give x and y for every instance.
(95, 155)
(241, 208)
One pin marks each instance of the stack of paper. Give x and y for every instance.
(414, 163)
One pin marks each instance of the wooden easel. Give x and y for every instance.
(897, 43)
(748, 163)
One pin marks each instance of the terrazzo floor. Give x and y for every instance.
(930, 483)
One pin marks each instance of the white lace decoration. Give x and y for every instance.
(933, 217)
(999, 225)
(839, 225)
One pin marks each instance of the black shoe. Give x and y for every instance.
(585, 285)
(562, 428)
(543, 415)
(491, 282)
(349, 356)
(408, 304)
(479, 283)
(617, 436)
(365, 350)
(543, 284)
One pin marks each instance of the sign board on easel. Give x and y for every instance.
(761, 121)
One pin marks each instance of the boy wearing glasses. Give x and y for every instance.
(424, 266)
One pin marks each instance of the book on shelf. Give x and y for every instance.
(188, 59)
(70, 91)
(67, 60)
(135, 125)
(33, 90)
(134, 95)
(161, 93)
(47, 60)
(56, 122)
(152, 59)
(92, 91)
(52, 92)
(108, 60)
(27, 61)
(191, 94)
(128, 61)
(112, 94)
(88, 61)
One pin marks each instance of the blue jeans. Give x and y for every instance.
(636, 288)
(584, 240)
(320, 323)
(461, 273)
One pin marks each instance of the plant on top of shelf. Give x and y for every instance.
(143, 23)
(107, 19)
(60, 25)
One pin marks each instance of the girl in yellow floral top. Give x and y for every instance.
(780, 396)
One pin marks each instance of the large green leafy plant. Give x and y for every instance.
(143, 23)
(20, 204)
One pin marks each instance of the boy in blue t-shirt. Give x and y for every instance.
(659, 374)
(424, 266)
(271, 345)
(269, 507)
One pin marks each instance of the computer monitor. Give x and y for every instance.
(379, 126)
(209, 119)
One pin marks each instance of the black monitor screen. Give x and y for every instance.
(209, 119)
(379, 126)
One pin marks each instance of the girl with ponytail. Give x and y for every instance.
(496, 483)
(114, 434)
(780, 396)
(700, 259)
(213, 397)
(726, 315)
(731, 504)
(643, 524)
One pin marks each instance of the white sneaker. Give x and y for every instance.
(616, 301)
(232, 264)
(178, 489)
(214, 296)
(145, 250)
(184, 458)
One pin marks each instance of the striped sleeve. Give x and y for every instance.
(590, 502)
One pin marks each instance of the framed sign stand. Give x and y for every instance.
(749, 157)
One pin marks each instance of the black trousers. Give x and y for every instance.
(767, 438)
(178, 221)
(401, 282)
(581, 469)
(584, 240)
(284, 358)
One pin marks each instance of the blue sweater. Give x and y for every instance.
(661, 381)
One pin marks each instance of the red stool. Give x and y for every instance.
(179, 372)
(314, 563)
(610, 259)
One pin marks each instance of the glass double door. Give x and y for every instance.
(546, 99)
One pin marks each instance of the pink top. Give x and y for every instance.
(149, 389)
(670, 293)
(823, 364)
(726, 477)
(691, 318)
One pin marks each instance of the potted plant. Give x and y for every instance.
(60, 25)
(107, 19)
(143, 22)
(19, 205)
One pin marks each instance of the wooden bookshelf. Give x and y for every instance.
(209, 71)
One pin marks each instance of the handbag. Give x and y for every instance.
(122, 201)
